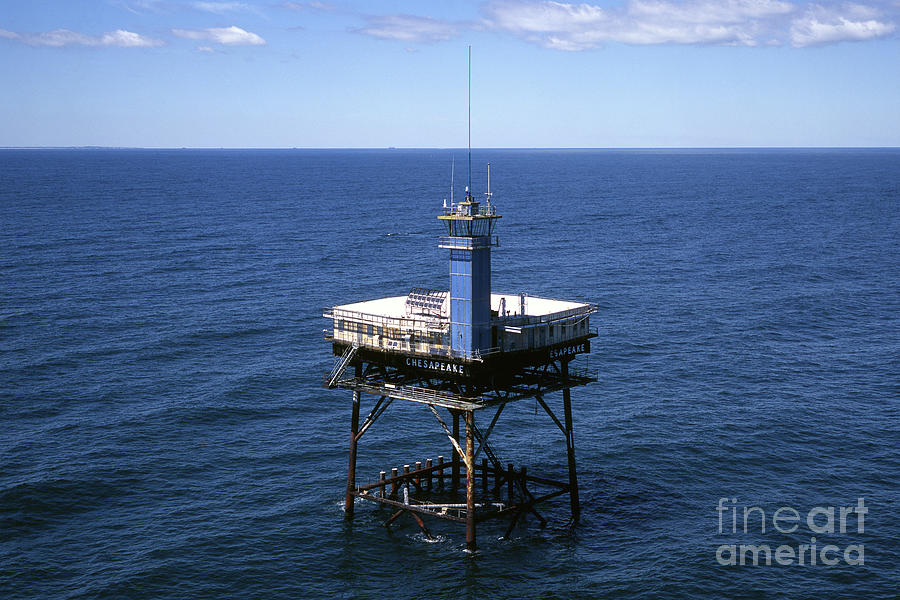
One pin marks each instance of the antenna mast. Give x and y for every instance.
(469, 187)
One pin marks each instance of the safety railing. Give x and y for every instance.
(464, 210)
(468, 243)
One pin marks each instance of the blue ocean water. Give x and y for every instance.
(164, 432)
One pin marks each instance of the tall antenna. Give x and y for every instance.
(469, 187)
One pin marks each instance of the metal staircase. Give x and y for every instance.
(341, 366)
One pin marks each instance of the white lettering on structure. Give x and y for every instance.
(566, 350)
(435, 365)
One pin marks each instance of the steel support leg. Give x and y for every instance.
(454, 472)
(351, 471)
(570, 445)
(470, 481)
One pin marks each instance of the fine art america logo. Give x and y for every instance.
(786, 520)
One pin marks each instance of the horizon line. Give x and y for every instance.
(461, 148)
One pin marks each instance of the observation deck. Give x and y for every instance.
(398, 331)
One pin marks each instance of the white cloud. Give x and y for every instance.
(220, 8)
(408, 28)
(65, 37)
(323, 6)
(227, 36)
(580, 26)
(140, 7)
(706, 11)
(545, 17)
(127, 39)
(852, 23)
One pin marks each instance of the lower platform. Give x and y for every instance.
(433, 490)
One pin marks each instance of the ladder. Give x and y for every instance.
(339, 368)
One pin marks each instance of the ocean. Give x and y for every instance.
(164, 432)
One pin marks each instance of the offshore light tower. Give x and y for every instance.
(457, 353)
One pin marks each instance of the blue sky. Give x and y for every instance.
(332, 73)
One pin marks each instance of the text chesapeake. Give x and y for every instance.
(566, 350)
(435, 365)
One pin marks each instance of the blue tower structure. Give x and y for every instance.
(469, 238)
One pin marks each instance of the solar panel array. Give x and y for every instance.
(422, 301)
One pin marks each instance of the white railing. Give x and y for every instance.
(409, 324)
(468, 243)
(460, 210)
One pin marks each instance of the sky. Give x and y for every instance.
(382, 73)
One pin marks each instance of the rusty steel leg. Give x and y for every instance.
(394, 517)
(351, 471)
(454, 469)
(421, 524)
(570, 446)
(512, 524)
(470, 481)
